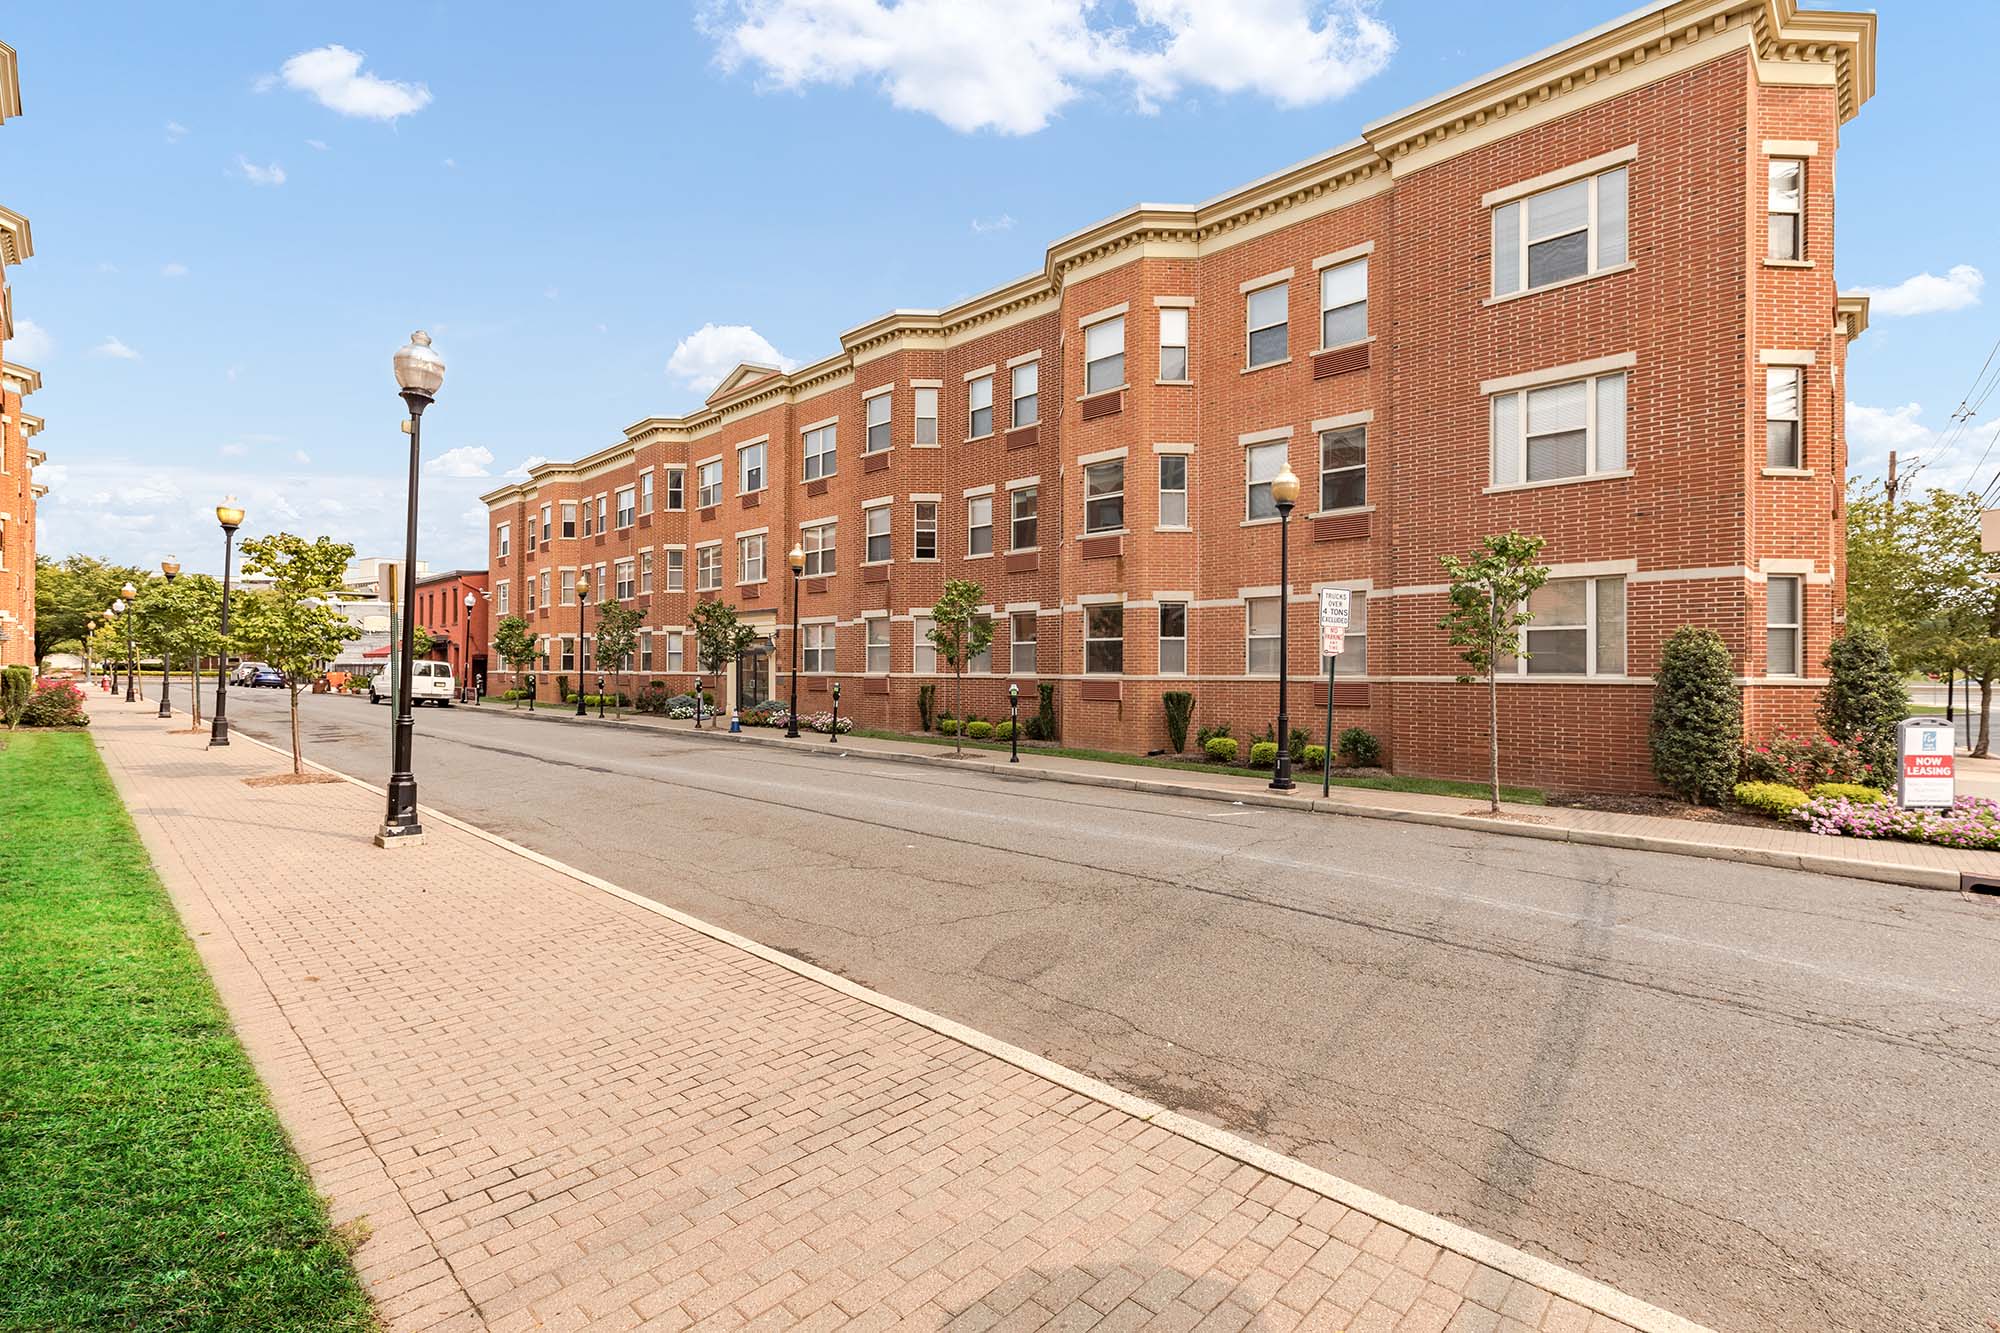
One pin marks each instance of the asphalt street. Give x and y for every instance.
(1762, 1099)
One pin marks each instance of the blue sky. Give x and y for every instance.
(241, 210)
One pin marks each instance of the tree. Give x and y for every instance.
(297, 625)
(960, 633)
(421, 641)
(617, 636)
(1489, 609)
(515, 643)
(72, 591)
(1697, 730)
(1864, 698)
(720, 638)
(107, 646)
(182, 619)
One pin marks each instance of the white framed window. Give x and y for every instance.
(1104, 496)
(1559, 234)
(1573, 429)
(545, 587)
(645, 573)
(627, 583)
(1261, 465)
(603, 512)
(1260, 634)
(1021, 632)
(924, 529)
(569, 587)
(818, 643)
(589, 518)
(1104, 355)
(708, 567)
(1022, 528)
(1173, 490)
(1173, 638)
(979, 525)
(568, 520)
(923, 653)
(877, 438)
(1353, 654)
(530, 608)
(676, 571)
(819, 446)
(676, 658)
(1104, 639)
(878, 548)
(1026, 403)
(750, 558)
(981, 662)
(628, 500)
(750, 468)
(819, 546)
(504, 537)
(645, 650)
(1783, 399)
(1785, 209)
(708, 484)
(1343, 467)
(979, 407)
(1578, 629)
(1174, 344)
(1266, 316)
(545, 525)
(568, 654)
(925, 410)
(500, 602)
(1343, 303)
(645, 493)
(676, 489)
(877, 663)
(1784, 625)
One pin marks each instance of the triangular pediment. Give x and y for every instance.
(743, 377)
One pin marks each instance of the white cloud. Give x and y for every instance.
(106, 266)
(468, 460)
(234, 450)
(1928, 294)
(704, 357)
(301, 457)
(176, 131)
(112, 347)
(317, 145)
(175, 270)
(256, 175)
(451, 164)
(30, 344)
(331, 76)
(1009, 65)
(521, 469)
(981, 226)
(1944, 457)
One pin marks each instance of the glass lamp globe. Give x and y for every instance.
(418, 368)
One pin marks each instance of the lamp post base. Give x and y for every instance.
(218, 732)
(394, 835)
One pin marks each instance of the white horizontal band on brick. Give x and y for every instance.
(980, 373)
(1346, 419)
(1171, 595)
(920, 498)
(1343, 256)
(1099, 316)
(1173, 448)
(1352, 585)
(1264, 436)
(1269, 279)
(1020, 483)
(878, 502)
(878, 391)
(704, 462)
(1024, 358)
(744, 532)
(1013, 607)
(1174, 302)
(1101, 599)
(1576, 370)
(1102, 456)
(755, 439)
(1774, 565)
(1560, 176)
(1584, 569)
(1787, 356)
(815, 425)
(971, 491)
(926, 384)
(1791, 148)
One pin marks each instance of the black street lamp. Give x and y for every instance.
(419, 375)
(90, 630)
(833, 732)
(1013, 722)
(797, 561)
(230, 515)
(582, 596)
(471, 685)
(1285, 492)
(171, 568)
(600, 694)
(113, 615)
(129, 595)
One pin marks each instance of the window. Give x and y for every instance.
(601, 583)
(708, 567)
(1027, 408)
(1343, 303)
(1104, 640)
(1104, 496)
(1021, 645)
(1784, 626)
(1265, 313)
(1173, 638)
(1021, 501)
(1787, 209)
(589, 518)
(750, 558)
(926, 413)
(627, 506)
(877, 548)
(1562, 430)
(1174, 345)
(819, 550)
(676, 497)
(675, 659)
(502, 601)
(979, 407)
(1261, 465)
(819, 452)
(1343, 468)
(533, 528)
(750, 468)
(626, 586)
(877, 438)
(569, 654)
(1781, 417)
(923, 653)
(645, 573)
(505, 537)
(545, 525)
(569, 587)
(1559, 234)
(979, 525)
(568, 521)
(602, 514)
(708, 483)
(1578, 629)
(1104, 355)
(1353, 654)
(819, 647)
(676, 571)
(645, 493)
(981, 662)
(1260, 628)
(925, 529)
(645, 650)
(878, 646)
(1173, 490)
(545, 587)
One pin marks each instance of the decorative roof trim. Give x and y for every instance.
(17, 241)
(27, 377)
(31, 425)
(10, 82)
(1850, 314)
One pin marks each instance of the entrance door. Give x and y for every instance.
(753, 674)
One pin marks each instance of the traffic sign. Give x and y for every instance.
(1333, 608)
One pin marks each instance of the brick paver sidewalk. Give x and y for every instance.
(560, 1108)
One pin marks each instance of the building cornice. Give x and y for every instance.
(10, 83)
(1850, 314)
(36, 458)
(17, 242)
(31, 425)
(28, 378)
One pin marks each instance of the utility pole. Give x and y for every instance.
(1891, 494)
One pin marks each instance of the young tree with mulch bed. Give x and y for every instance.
(1489, 609)
(296, 624)
(960, 633)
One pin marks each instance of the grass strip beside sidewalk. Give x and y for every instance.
(145, 1182)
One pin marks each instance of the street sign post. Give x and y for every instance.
(1333, 609)
(1925, 774)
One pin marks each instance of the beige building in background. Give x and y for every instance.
(18, 457)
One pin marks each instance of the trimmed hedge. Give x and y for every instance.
(1180, 710)
(1264, 754)
(979, 731)
(1696, 734)
(1359, 747)
(1315, 757)
(1851, 791)
(1222, 749)
(1771, 798)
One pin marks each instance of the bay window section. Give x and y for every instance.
(1027, 399)
(1104, 355)
(676, 571)
(819, 547)
(708, 567)
(924, 529)
(877, 663)
(750, 558)
(923, 653)
(1021, 521)
(750, 468)
(875, 534)
(1173, 638)
(1782, 417)
(1784, 625)
(1261, 465)
(979, 525)
(1174, 345)
(819, 452)
(1022, 627)
(877, 438)
(1173, 490)
(925, 409)
(708, 484)
(1785, 209)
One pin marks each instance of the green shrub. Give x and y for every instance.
(1180, 710)
(1220, 749)
(1045, 716)
(948, 725)
(1864, 698)
(1359, 747)
(1264, 754)
(979, 731)
(1003, 731)
(1207, 734)
(1697, 728)
(1297, 743)
(926, 705)
(17, 686)
(1804, 761)
(1852, 791)
(1314, 757)
(1771, 798)
(56, 705)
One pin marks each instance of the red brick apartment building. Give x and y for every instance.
(19, 490)
(1589, 296)
(441, 609)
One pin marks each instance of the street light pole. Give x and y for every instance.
(171, 568)
(419, 375)
(833, 731)
(582, 596)
(471, 685)
(230, 516)
(90, 630)
(1285, 491)
(130, 594)
(1013, 722)
(798, 564)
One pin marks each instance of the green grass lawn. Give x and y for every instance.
(144, 1180)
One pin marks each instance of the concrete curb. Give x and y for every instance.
(1571, 1286)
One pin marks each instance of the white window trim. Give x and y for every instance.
(1576, 370)
(1343, 421)
(1019, 483)
(1024, 358)
(1779, 356)
(1549, 180)
(972, 375)
(1791, 148)
(1351, 253)
(1268, 280)
(1173, 448)
(1175, 302)
(1099, 316)
(878, 391)
(1249, 438)
(1101, 456)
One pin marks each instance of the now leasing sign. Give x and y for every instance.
(1924, 778)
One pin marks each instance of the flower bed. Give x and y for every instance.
(1973, 822)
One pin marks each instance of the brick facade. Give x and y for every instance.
(1679, 517)
(19, 491)
(441, 609)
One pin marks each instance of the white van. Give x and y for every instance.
(430, 682)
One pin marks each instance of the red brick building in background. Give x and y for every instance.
(1589, 297)
(19, 491)
(454, 628)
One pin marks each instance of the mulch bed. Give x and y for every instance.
(291, 779)
(1662, 807)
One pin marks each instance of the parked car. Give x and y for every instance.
(430, 683)
(266, 678)
(244, 670)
